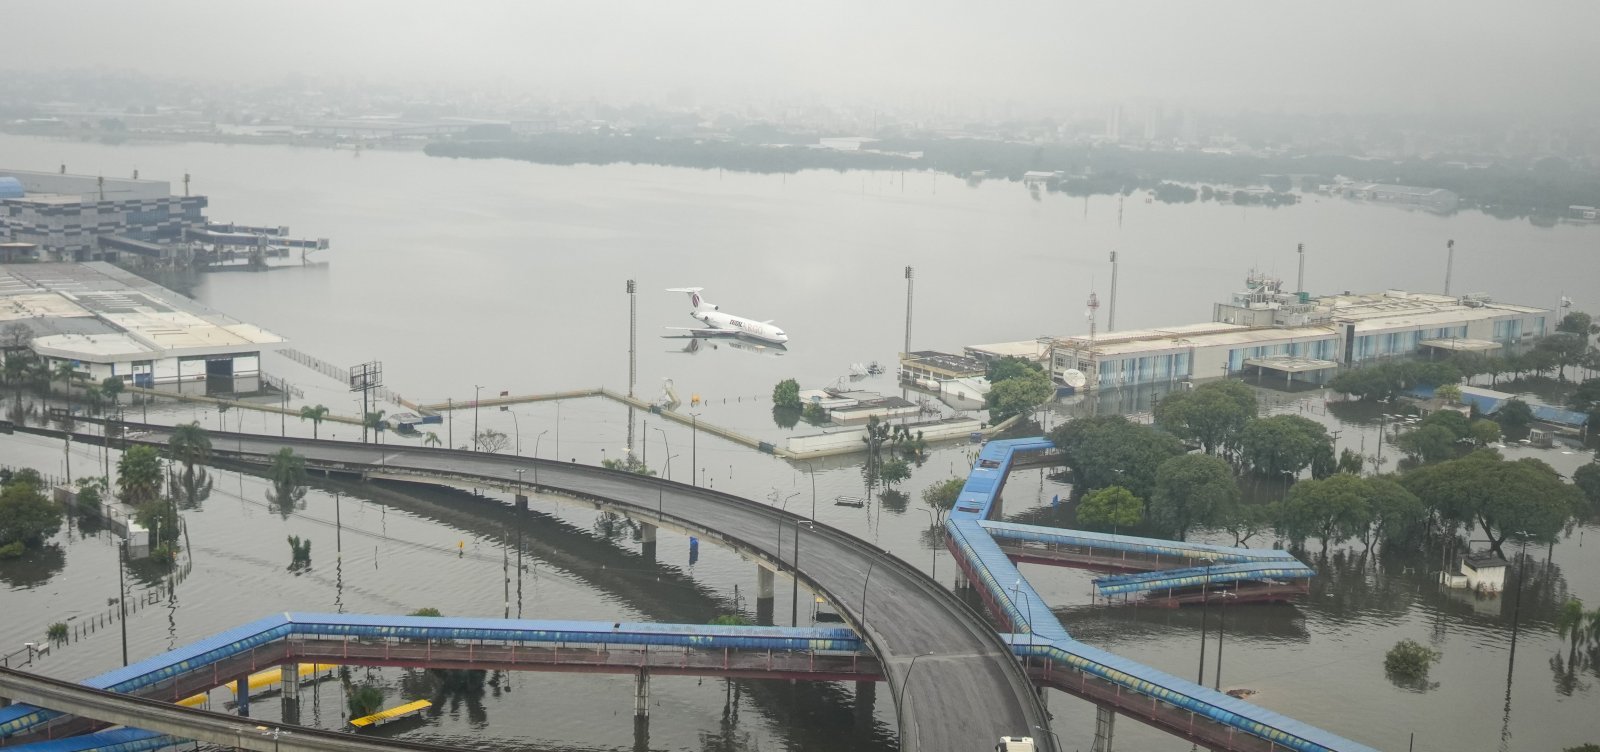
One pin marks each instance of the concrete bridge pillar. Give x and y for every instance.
(641, 733)
(641, 694)
(647, 540)
(1105, 723)
(289, 679)
(522, 502)
(765, 592)
(241, 695)
(866, 696)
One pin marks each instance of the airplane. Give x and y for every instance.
(718, 324)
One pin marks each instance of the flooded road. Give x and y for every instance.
(511, 276)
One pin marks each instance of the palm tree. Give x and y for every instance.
(432, 439)
(189, 444)
(374, 421)
(288, 474)
(65, 372)
(139, 476)
(112, 387)
(1569, 624)
(316, 415)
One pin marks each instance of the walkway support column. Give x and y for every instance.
(766, 591)
(647, 539)
(289, 678)
(241, 695)
(1105, 722)
(641, 694)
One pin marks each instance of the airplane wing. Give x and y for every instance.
(699, 332)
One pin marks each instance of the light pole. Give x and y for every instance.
(1205, 594)
(899, 701)
(812, 471)
(475, 391)
(668, 445)
(518, 429)
(1222, 627)
(870, 566)
(536, 441)
(694, 448)
(122, 597)
(794, 598)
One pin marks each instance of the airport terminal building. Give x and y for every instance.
(1284, 335)
(108, 323)
(71, 217)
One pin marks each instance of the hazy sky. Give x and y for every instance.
(1380, 55)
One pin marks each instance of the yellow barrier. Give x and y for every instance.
(391, 714)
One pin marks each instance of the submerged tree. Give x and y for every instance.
(316, 414)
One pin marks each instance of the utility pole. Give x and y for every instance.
(1449, 263)
(633, 352)
(1111, 315)
(122, 597)
(910, 282)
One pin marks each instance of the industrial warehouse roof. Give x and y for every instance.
(96, 312)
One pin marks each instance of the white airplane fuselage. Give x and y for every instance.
(742, 326)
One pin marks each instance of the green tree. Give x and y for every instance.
(1408, 661)
(373, 421)
(893, 471)
(1561, 350)
(1110, 507)
(1514, 416)
(1586, 399)
(139, 475)
(112, 387)
(942, 496)
(786, 394)
(1111, 451)
(1579, 323)
(316, 414)
(66, 373)
(27, 517)
(1525, 497)
(189, 445)
(1397, 514)
(629, 464)
(1351, 462)
(1332, 509)
(1433, 443)
(1484, 432)
(1212, 415)
(1246, 521)
(1284, 444)
(1450, 394)
(1587, 480)
(426, 611)
(1018, 395)
(1192, 490)
(431, 439)
(1570, 618)
(729, 620)
(1011, 367)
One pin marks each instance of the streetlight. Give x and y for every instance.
(518, 429)
(1221, 630)
(905, 683)
(536, 441)
(812, 471)
(864, 583)
(694, 446)
(668, 445)
(1205, 595)
(794, 598)
(475, 391)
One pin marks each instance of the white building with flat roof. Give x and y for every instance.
(1291, 335)
(109, 323)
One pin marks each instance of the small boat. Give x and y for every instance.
(874, 369)
(850, 501)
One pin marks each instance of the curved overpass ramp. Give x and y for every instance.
(969, 689)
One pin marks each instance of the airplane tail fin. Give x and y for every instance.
(699, 303)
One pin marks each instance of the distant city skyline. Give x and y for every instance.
(1426, 56)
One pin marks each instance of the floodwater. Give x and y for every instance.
(510, 277)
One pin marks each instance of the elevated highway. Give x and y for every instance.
(968, 690)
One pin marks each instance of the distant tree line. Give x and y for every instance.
(1504, 189)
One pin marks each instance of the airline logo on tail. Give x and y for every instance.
(722, 324)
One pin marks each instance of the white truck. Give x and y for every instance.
(1015, 744)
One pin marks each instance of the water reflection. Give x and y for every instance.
(34, 567)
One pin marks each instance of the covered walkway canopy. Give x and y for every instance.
(1461, 344)
(1290, 365)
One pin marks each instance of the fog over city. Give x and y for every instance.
(1367, 55)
